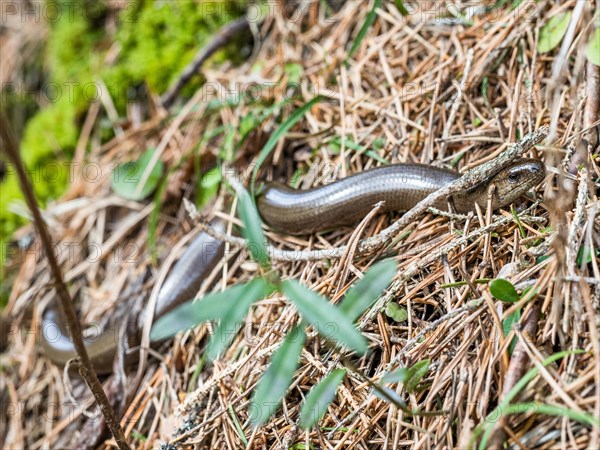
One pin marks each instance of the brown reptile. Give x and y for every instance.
(401, 186)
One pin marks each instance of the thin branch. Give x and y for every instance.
(221, 38)
(415, 267)
(385, 237)
(86, 369)
(592, 106)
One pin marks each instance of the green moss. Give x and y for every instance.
(50, 136)
(51, 132)
(47, 135)
(162, 38)
(75, 38)
(157, 39)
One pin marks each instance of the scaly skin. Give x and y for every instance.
(400, 186)
(345, 201)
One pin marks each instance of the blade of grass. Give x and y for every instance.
(366, 290)
(507, 325)
(464, 283)
(278, 134)
(253, 233)
(319, 398)
(488, 423)
(539, 408)
(371, 16)
(401, 7)
(336, 143)
(552, 410)
(238, 426)
(153, 220)
(277, 379)
(518, 221)
(330, 322)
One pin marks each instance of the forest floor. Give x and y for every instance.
(434, 88)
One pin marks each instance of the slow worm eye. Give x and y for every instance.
(513, 177)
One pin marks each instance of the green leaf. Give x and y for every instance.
(399, 375)
(553, 31)
(208, 186)
(371, 16)
(302, 446)
(584, 255)
(248, 123)
(396, 313)
(593, 49)
(227, 151)
(278, 134)
(253, 233)
(388, 395)
(278, 377)
(503, 290)
(552, 410)
(516, 4)
(484, 91)
(294, 72)
(368, 289)
(213, 306)
(231, 318)
(127, 176)
(319, 398)
(238, 426)
(541, 259)
(330, 322)
(401, 7)
(416, 374)
(507, 325)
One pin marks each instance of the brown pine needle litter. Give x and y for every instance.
(449, 87)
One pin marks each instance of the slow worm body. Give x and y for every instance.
(400, 186)
(182, 284)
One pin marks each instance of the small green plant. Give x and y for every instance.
(593, 49)
(128, 179)
(553, 31)
(506, 408)
(410, 376)
(504, 290)
(333, 323)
